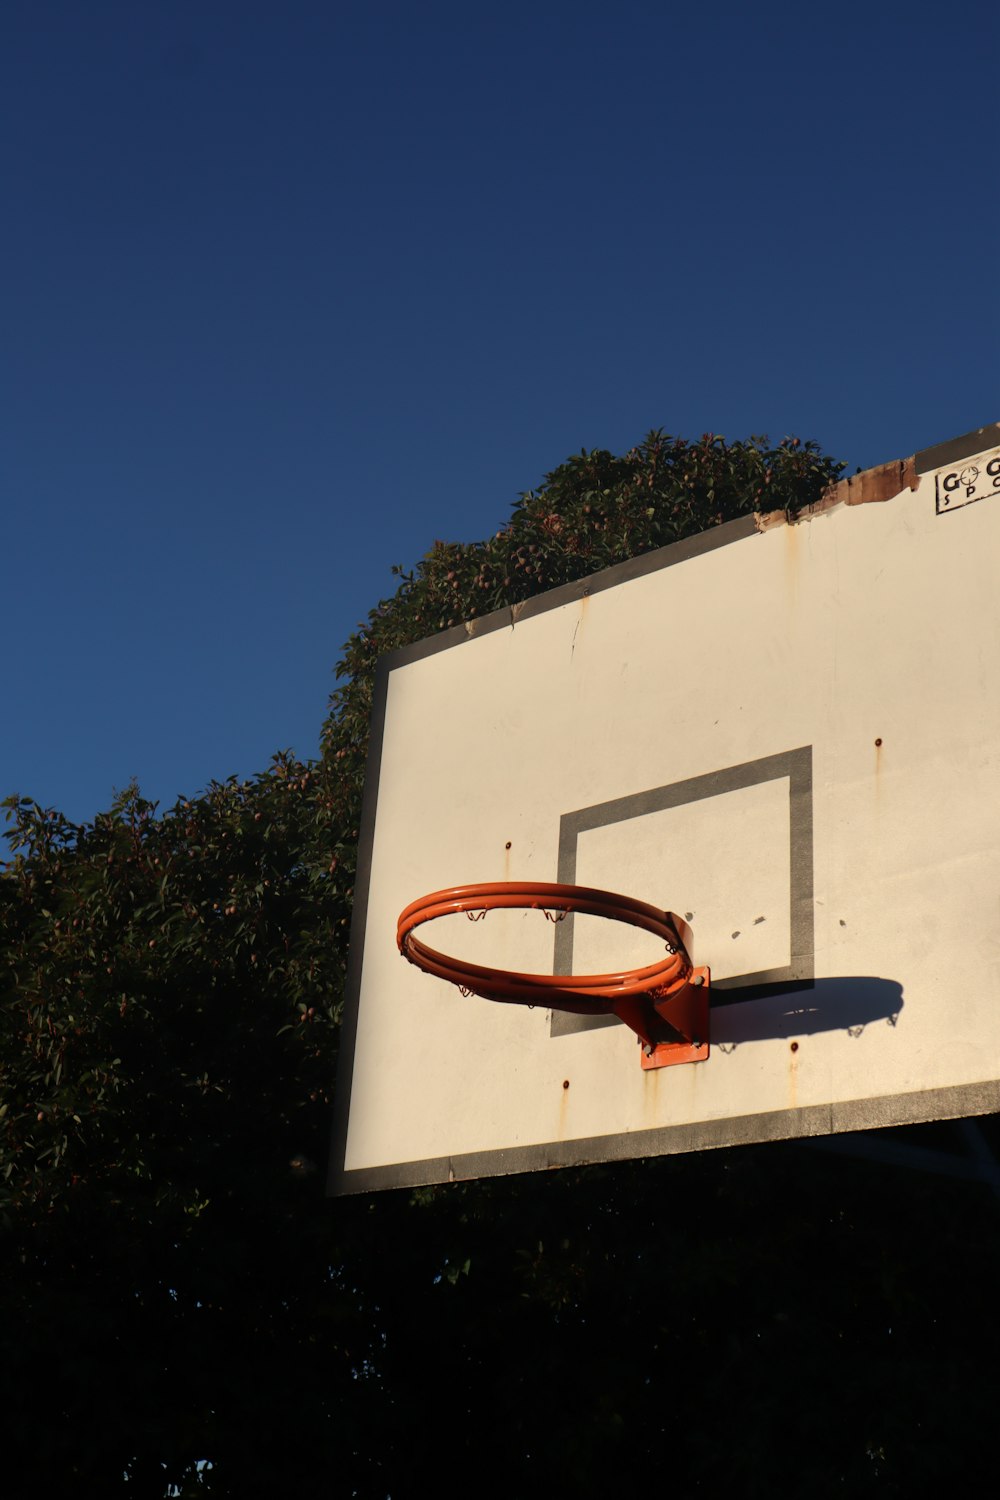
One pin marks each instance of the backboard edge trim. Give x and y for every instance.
(920, 1107)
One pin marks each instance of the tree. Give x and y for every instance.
(181, 1305)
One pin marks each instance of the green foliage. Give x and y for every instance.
(176, 1289)
(170, 986)
(167, 981)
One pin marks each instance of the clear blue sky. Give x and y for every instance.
(291, 290)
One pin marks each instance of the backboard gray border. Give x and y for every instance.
(780, 1125)
(980, 440)
(796, 766)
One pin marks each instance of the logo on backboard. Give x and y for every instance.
(969, 481)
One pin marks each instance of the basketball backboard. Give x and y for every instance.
(789, 734)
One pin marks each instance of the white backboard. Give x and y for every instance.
(787, 733)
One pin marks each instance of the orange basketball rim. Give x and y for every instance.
(665, 1004)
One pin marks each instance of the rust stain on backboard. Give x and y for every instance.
(882, 483)
(792, 565)
(870, 486)
(561, 1123)
(651, 1098)
(793, 1076)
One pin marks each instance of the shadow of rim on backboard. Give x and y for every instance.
(785, 1008)
(848, 1003)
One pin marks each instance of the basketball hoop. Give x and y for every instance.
(665, 1004)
